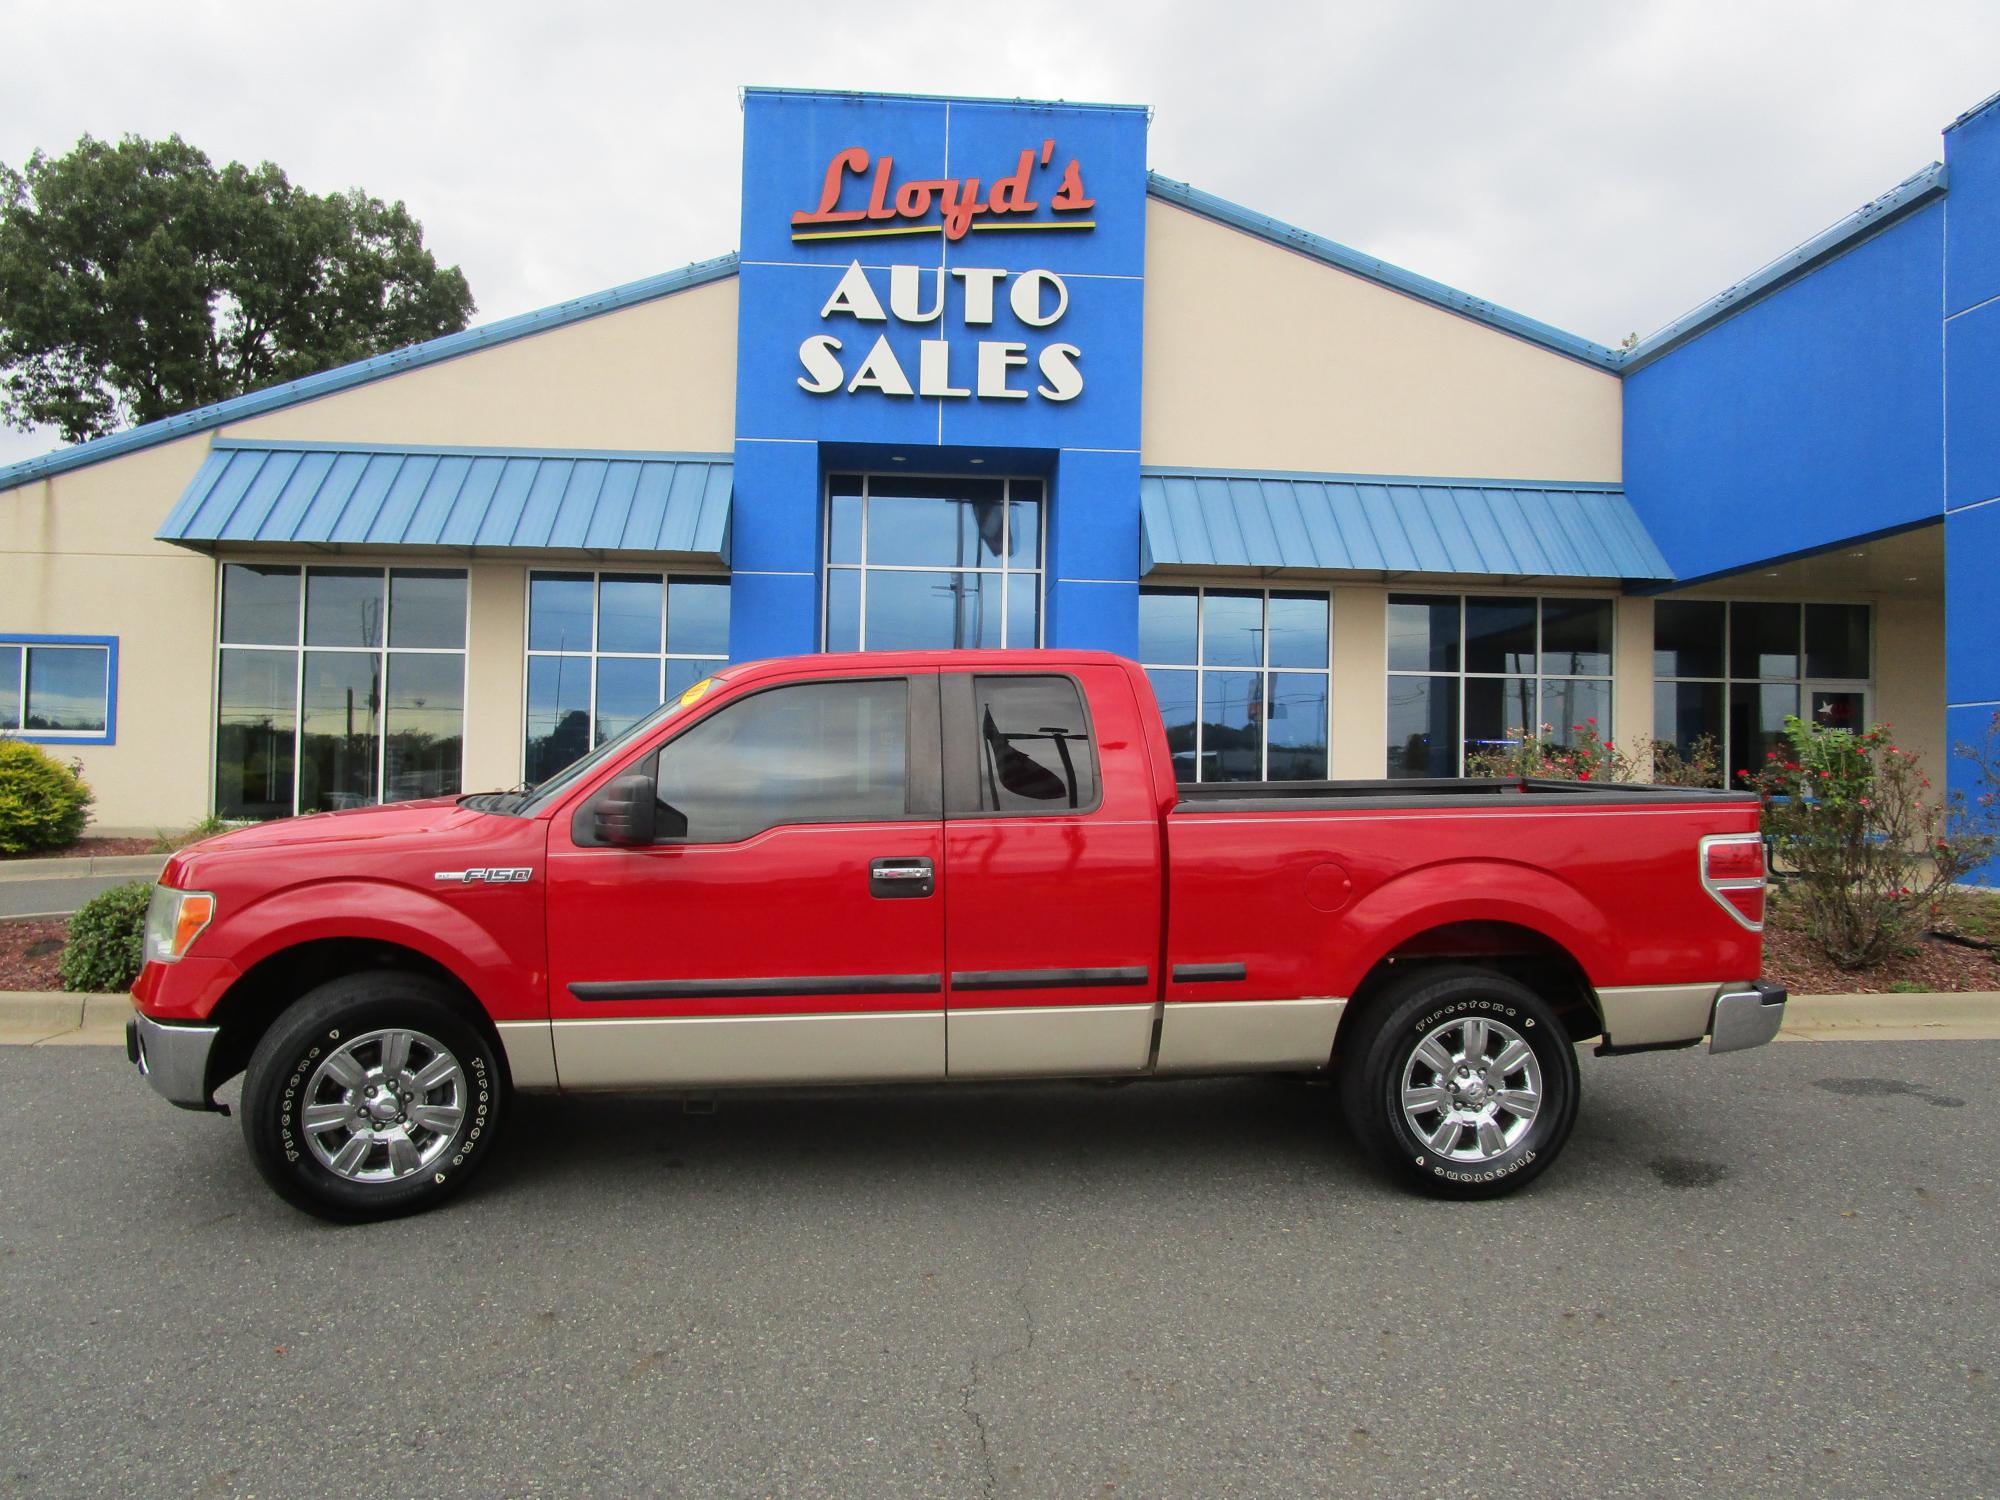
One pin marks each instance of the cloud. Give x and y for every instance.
(1600, 167)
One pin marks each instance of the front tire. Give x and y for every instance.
(372, 1097)
(1461, 1082)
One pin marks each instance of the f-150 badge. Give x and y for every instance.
(514, 876)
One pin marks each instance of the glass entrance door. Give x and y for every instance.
(921, 563)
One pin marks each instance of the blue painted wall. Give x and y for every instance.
(788, 436)
(1972, 426)
(1807, 418)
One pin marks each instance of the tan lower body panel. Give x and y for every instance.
(1647, 1015)
(720, 1051)
(1223, 1036)
(531, 1053)
(1050, 1041)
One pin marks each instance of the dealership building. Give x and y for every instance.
(975, 376)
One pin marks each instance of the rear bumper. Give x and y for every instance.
(1746, 1017)
(174, 1058)
(1734, 1015)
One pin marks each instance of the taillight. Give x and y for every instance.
(1732, 871)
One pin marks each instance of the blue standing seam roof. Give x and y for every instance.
(503, 498)
(1393, 524)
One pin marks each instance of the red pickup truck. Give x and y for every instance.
(931, 866)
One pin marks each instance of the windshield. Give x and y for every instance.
(528, 800)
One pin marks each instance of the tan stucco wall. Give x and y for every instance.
(1359, 747)
(660, 375)
(1260, 358)
(495, 674)
(77, 557)
(1909, 677)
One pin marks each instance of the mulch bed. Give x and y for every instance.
(1792, 960)
(84, 848)
(28, 953)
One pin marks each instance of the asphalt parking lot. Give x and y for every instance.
(1770, 1273)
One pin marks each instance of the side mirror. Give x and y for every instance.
(624, 814)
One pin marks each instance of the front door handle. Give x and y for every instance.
(896, 877)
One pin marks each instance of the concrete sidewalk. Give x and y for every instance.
(32, 1018)
(83, 867)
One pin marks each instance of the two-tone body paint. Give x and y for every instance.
(1130, 936)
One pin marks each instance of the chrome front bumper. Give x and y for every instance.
(1746, 1017)
(173, 1058)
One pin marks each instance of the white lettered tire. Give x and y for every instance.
(371, 1097)
(1460, 1081)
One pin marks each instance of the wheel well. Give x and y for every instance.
(1521, 953)
(256, 1000)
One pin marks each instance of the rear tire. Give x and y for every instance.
(372, 1097)
(1460, 1081)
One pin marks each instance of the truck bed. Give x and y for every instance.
(1335, 796)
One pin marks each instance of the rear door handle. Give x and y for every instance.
(896, 877)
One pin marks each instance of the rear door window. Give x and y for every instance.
(1033, 748)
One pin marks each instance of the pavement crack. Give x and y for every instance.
(970, 1390)
(991, 1484)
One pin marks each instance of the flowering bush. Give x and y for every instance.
(1588, 756)
(1869, 843)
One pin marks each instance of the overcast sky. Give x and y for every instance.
(1600, 166)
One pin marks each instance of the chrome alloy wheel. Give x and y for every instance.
(383, 1105)
(1471, 1088)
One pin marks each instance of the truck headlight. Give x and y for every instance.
(174, 919)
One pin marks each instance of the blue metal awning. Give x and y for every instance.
(1392, 524)
(456, 499)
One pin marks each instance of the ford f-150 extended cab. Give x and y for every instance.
(931, 866)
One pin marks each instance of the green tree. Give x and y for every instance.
(137, 281)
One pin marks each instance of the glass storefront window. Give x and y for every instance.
(1778, 656)
(1243, 678)
(916, 563)
(338, 687)
(1531, 666)
(605, 649)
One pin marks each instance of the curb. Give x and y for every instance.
(44, 1018)
(35, 1018)
(1973, 1015)
(95, 865)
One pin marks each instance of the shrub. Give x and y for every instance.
(43, 803)
(1871, 847)
(194, 833)
(106, 940)
(1587, 757)
(1698, 765)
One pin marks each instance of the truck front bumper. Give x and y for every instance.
(174, 1058)
(1746, 1017)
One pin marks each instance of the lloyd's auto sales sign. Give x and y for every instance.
(944, 272)
(863, 198)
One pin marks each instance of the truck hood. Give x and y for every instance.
(436, 818)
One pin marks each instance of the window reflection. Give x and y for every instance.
(919, 564)
(1243, 681)
(338, 687)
